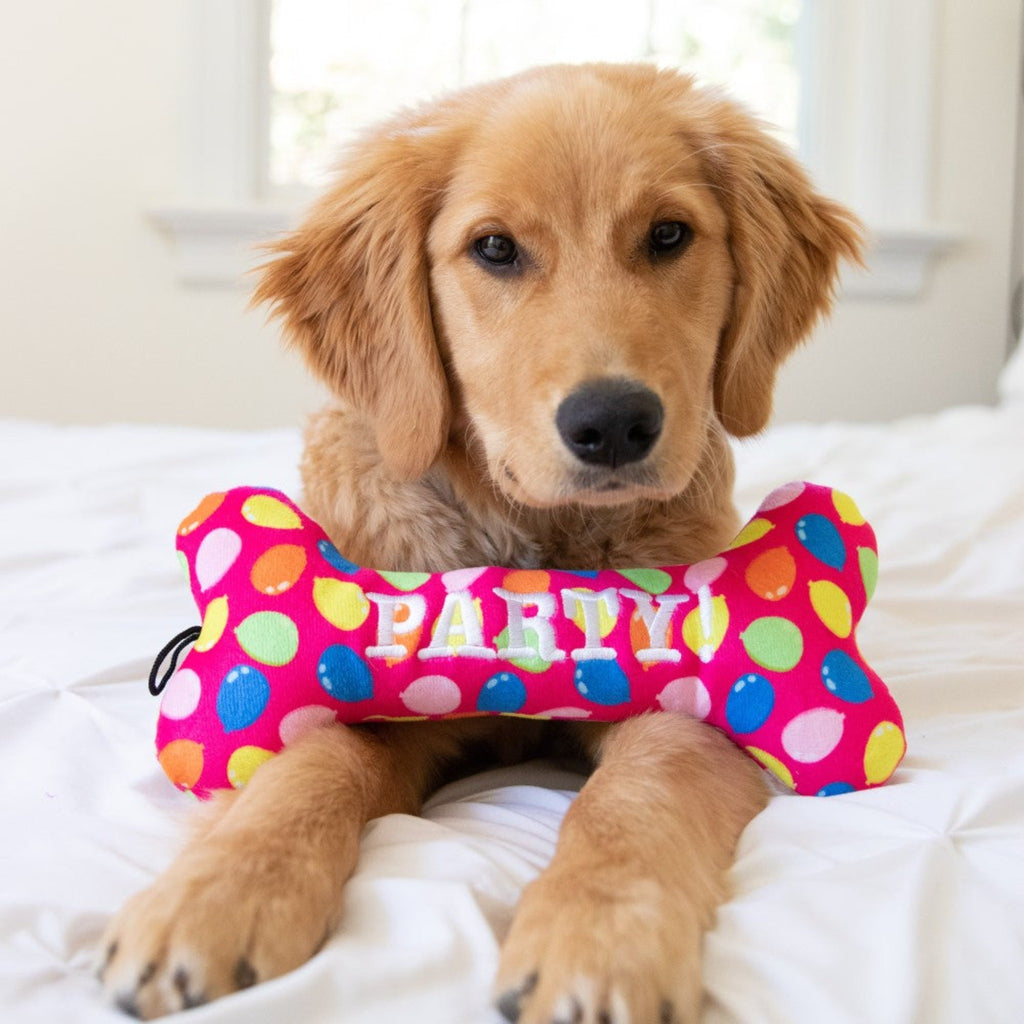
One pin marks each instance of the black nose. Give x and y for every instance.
(610, 422)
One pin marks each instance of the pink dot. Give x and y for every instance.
(216, 554)
(813, 735)
(460, 579)
(562, 714)
(181, 695)
(700, 574)
(297, 723)
(782, 496)
(432, 695)
(688, 696)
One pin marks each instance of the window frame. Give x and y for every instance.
(872, 68)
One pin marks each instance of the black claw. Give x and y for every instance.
(147, 975)
(108, 956)
(577, 1014)
(126, 1004)
(668, 1012)
(180, 980)
(510, 1005)
(245, 974)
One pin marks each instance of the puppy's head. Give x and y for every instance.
(574, 272)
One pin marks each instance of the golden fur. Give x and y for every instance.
(442, 451)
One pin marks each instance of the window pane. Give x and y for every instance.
(337, 66)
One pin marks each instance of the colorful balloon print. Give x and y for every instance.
(216, 554)
(705, 627)
(754, 530)
(821, 538)
(181, 695)
(687, 696)
(214, 621)
(602, 682)
(182, 761)
(773, 643)
(812, 735)
(654, 581)
(278, 569)
(773, 764)
(885, 749)
(341, 603)
(267, 511)
(242, 764)
(502, 693)
(242, 697)
(832, 606)
(201, 513)
(847, 509)
(432, 695)
(868, 560)
(771, 574)
(334, 558)
(269, 637)
(344, 675)
(749, 703)
(845, 678)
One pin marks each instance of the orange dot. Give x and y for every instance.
(201, 513)
(527, 581)
(772, 574)
(278, 568)
(182, 760)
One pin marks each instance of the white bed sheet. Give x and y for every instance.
(903, 904)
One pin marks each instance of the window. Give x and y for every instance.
(269, 98)
(330, 72)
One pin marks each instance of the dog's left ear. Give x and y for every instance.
(786, 243)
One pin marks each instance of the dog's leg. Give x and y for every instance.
(611, 931)
(257, 891)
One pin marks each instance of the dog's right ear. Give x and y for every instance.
(351, 287)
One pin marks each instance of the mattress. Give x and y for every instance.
(901, 904)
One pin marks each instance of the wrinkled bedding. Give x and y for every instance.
(901, 904)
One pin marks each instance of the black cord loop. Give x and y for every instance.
(173, 650)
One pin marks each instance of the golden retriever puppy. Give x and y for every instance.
(542, 305)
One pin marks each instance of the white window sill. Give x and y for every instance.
(219, 245)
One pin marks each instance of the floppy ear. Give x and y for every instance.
(351, 286)
(786, 242)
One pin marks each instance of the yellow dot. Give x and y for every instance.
(264, 510)
(773, 764)
(884, 751)
(342, 604)
(696, 635)
(832, 606)
(754, 530)
(243, 762)
(214, 621)
(847, 509)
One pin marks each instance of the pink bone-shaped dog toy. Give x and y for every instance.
(758, 641)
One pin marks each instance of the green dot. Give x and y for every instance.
(405, 581)
(868, 570)
(269, 637)
(774, 643)
(654, 581)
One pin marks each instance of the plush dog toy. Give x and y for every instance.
(758, 641)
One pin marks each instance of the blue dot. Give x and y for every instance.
(589, 574)
(835, 789)
(344, 675)
(602, 682)
(334, 558)
(749, 703)
(819, 536)
(242, 697)
(845, 678)
(504, 692)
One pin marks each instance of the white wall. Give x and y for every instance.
(94, 325)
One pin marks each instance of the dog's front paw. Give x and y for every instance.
(218, 921)
(601, 948)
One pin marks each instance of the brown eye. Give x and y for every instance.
(669, 237)
(497, 250)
